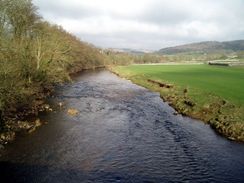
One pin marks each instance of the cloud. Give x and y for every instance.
(147, 24)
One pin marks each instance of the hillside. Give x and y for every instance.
(127, 50)
(35, 56)
(205, 47)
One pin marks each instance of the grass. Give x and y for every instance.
(225, 82)
(214, 94)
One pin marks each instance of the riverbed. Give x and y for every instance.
(122, 133)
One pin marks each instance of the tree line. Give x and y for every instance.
(35, 54)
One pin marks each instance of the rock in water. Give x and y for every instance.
(38, 123)
(73, 112)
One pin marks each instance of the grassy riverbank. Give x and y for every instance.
(210, 93)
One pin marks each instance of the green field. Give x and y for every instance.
(214, 94)
(225, 82)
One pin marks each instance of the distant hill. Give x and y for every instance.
(130, 51)
(205, 47)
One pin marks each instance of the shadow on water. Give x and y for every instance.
(39, 173)
(122, 133)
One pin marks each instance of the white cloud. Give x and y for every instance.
(105, 25)
(150, 24)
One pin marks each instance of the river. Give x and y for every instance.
(122, 133)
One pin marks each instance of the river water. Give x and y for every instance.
(123, 133)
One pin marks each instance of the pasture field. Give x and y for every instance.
(225, 82)
(214, 94)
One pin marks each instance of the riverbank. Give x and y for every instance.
(35, 56)
(23, 118)
(225, 117)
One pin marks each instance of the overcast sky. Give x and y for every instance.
(147, 24)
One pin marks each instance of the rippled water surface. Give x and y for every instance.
(123, 133)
